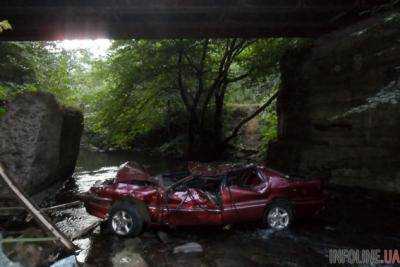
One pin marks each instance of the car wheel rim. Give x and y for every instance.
(122, 223)
(278, 218)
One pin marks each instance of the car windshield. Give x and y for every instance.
(169, 179)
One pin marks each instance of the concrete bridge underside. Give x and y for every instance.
(61, 19)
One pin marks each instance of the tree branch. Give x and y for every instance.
(223, 69)
(236, 79)
(191, 63)
(236, 130)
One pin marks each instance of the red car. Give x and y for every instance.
(203, 196)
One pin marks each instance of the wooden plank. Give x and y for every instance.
(62, 206)
(27, 239)
(57, 207)
(40, 218)
(86, 230)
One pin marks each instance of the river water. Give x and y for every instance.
(355, 218)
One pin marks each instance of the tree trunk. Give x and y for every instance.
(191, 136)
(218, 119)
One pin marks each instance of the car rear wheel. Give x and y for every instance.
(279, 215)
(125, 219)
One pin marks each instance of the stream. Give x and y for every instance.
(355, 218)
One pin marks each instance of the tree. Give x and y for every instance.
(151, 81)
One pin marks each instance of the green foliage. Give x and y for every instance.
(269, 129)
(140, 89)
(135, 90)
(269, 124)
(5, 25)
(41, 66)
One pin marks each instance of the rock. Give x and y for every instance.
(189, 248)
(39, 141)
(329, 228)
(71, 132)
(127, 259)
(339, 107)
(4, 260)
(163, 237)
(28, 254)
(66, 262)
(133, 243)
(129, 255)
(227, 227)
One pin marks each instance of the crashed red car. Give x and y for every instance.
(202, 196)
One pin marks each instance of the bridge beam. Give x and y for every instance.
(61, 19)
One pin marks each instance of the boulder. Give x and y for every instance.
(71, 133)
(39, 141)
(129, 255)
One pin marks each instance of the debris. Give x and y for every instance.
(192, 247)
(29, 248)
(69, 246)
(58, 207)
(62, 206)
(4, 261)
(86, 230)
(28, 239)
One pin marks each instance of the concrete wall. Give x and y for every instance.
(339, 106)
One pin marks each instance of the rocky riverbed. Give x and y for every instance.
(355, 218)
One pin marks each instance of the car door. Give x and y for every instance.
(190, 206)
(244, 196)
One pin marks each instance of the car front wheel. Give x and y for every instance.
(278, 216)
(125, 220)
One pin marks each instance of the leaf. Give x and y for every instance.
(5, 25)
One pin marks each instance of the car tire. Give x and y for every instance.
(278, 215)
(125, 220)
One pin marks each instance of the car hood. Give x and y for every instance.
(133, 171)
(213, 169)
